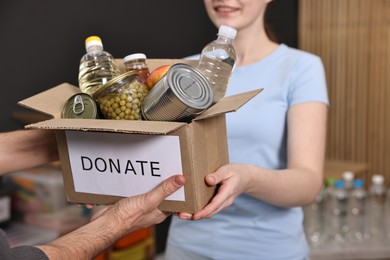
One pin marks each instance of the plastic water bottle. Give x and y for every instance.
(337, 213)
(355, 213)
(217, 61)
(96, 66)
(376, 210)
(314, 220)
(348, 177)
(387, 214)
(328, 191)
(329, 187)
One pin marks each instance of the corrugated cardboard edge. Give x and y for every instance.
(187, 165)
(106, 125)
(211, 149)
(214, 147)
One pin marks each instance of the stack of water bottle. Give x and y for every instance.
(348, 215)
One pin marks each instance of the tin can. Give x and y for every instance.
(180, 95)
(80, 105)
(121, 97)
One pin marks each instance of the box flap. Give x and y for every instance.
(51, 101)
(229, 104)
(30, 117)
(106, 125)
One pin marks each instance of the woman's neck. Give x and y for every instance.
(252, 46)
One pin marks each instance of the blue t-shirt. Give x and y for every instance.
(250, 228)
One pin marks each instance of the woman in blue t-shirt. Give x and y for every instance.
(276, 148)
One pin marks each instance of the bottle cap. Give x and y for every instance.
(227, 31)
(339, 184)
(135, 56)
(358, 183)
(377, 179)
(93, 41)
(348, 175)
(330, 181)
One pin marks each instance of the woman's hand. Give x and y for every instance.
(233, 180)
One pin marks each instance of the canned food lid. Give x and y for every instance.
(190, 86)
(107, 85)
(135, 56)
(80, 105)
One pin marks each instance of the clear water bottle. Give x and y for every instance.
(376, 210)
(329, 187)
(387, 214)
(217, 61)
(356, 213)
(348, 177)
(314, 220)
(328, 191)
(96, 66)
(337, 213)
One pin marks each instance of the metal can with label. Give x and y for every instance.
(81, 106)
(180, 95)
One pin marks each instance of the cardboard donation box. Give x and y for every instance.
(105, 160)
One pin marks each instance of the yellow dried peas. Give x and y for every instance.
(123, 101)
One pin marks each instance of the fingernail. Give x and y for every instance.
(179, 181)
(184, 217)
(211, 178)
(197, 217)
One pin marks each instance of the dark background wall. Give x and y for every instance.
(42, 41)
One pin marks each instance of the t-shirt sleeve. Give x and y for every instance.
(20, 252)
(308, 81)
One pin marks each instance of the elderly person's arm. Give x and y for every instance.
(25, 149)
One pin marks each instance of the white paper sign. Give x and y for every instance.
(122, 164)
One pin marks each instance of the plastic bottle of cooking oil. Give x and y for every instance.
(217, 61)
(96, 66)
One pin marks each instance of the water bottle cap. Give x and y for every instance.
(377, 179)
(135, 56)
(227, 31)
(93, 41)
(339, 184)
(358, 183)
(348, 175)
(330, 181)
